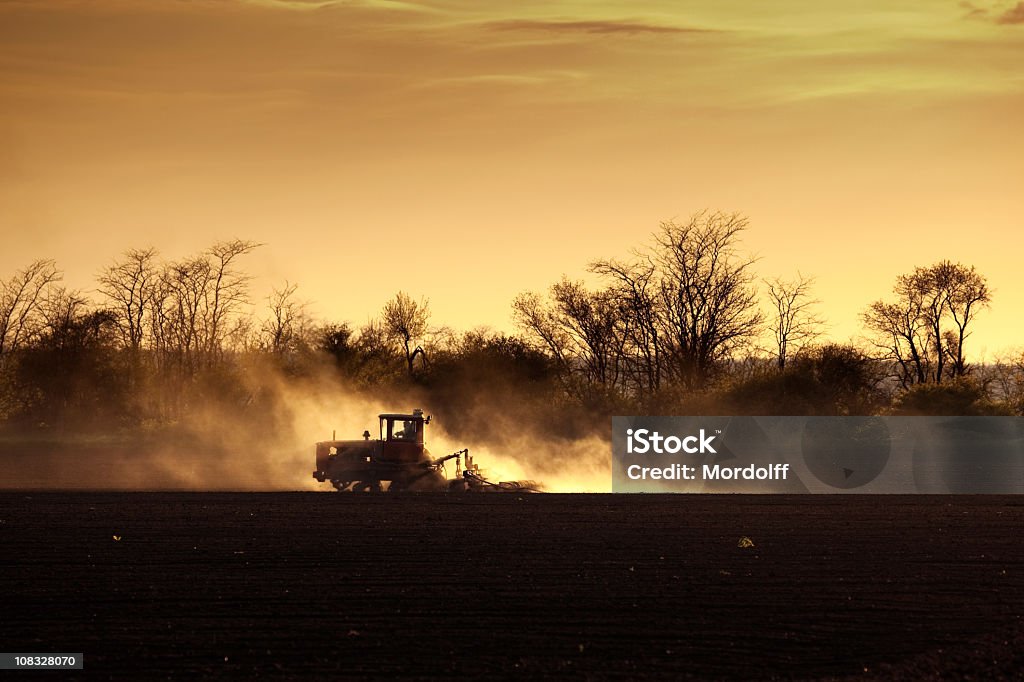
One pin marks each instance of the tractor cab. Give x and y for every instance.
(401, 436)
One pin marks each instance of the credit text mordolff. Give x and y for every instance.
(709, 472)
(750, 472)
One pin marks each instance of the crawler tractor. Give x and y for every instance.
(398, 461)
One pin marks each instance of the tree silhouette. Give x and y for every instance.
(581, 328)
(924, 330)
(128, 285)
(710, 302)
(288, 328)
(20, 299)
(793, 319)
(405, 321)
(635, 289)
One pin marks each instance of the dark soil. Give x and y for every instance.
(246, 585)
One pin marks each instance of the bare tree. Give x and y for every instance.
(913, 330)
(580, 328)
(531, 312)
(902, 334)
(370, 357)
(674, 313)
(225, 293)
(288, 326)
(590, 319)
(60, 309)
(635, 287)
(184, 289)
(794, 321)
(196, 306)
(128, 285)
(20, 299)
(927, 286)
(966, 292)
(1006, 375)
(708, 293)
(161, 320)
(405, 321)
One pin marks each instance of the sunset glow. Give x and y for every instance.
(515, 142)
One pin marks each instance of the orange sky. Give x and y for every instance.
(514, 142)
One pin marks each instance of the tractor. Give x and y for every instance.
(399, 461)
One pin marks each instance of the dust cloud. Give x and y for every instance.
(265, 441)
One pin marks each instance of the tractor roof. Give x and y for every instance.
(395, 415)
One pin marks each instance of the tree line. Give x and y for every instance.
(683, 324)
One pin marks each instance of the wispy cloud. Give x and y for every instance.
(973, 11)
(359, 4)
(596, 26)
(1014, 15)
(994, 13)
(503, 79)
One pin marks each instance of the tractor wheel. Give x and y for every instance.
(341, 486)
(366, 487)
